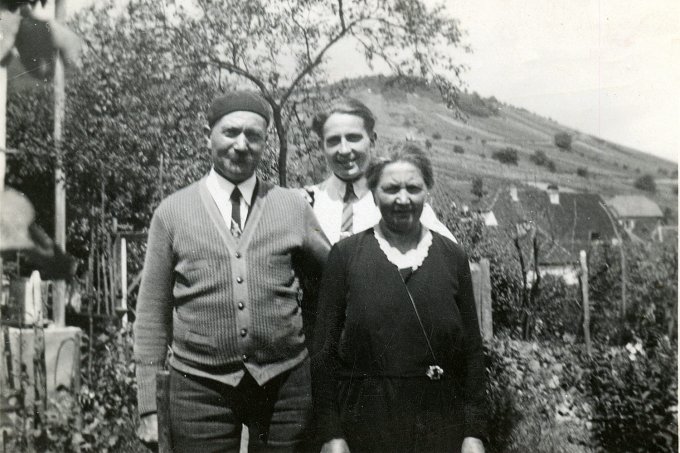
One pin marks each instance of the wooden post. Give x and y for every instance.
(123, 279)
(586, 302)
(163, 407)
(3, 125)
(59, 300)
(487, 316)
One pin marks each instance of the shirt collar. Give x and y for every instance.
(247, 187)
(338, 186)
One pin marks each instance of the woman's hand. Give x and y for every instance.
(472, 445)
(339, 446)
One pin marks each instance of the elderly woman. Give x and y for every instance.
(398, 363)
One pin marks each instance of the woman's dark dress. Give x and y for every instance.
(370, 355)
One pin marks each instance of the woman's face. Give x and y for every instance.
(400, 195)
(346, 145)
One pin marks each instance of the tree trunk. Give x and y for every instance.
(283, 145)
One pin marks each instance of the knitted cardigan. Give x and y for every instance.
(225, 305)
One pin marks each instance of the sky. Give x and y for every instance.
(610, 68)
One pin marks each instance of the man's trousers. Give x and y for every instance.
(207, 416)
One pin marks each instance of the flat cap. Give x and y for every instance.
(235, 101)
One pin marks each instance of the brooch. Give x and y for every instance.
(434, 372)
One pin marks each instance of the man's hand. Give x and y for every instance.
(472, 445)
(335, 446)
(148, 430)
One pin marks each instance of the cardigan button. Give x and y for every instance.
(241, 306)
(244, 332)
(239, 280)
(245, 357)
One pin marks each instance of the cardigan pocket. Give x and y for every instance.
(281, 269)
(198, 343)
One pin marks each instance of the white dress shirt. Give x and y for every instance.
(328, 206)
(220, 189)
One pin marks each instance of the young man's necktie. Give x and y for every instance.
(347, 210)
(235, 212)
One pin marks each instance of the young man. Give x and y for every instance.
(342, 203)
(220, 289)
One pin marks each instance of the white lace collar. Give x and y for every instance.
(413, 258)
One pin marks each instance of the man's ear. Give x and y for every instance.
(374, 138)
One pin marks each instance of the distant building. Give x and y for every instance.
(565, 222)
(638, 215)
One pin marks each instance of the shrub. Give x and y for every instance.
(428, 144)
(102, 416)
(646, 182)
(539, 158)
(536, 397)
(436, 136)
(458, 149)
(563, 141)
(477, 187)
(652, 292)
(634, 398)
(506, 156)
(582, 172)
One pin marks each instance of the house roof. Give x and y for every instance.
(567, 227)
(624, 206)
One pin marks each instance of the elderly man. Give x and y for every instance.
(342, 203)
(220, 288)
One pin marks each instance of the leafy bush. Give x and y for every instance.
(506, 156)
(634, 395)
(539, 158)
(651, 289)
(536, 397)
(458, 149)
(563, 141)
(436, 136)
(646, 182)
(582, 172)
(428, 144)
(102, 416)
(477, 187)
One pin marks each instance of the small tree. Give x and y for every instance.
(506, 156)
(646, 182)
(280, 48)
(563, 141)
(582, 172)
(478, 187)
(458, 149)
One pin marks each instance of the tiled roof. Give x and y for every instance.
(627, 206)
(566, 227)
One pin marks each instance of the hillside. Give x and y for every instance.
(488, 126)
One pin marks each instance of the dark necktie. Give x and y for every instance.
(235, 212)
(347, 209)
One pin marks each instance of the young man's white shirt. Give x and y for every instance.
(328, 205)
